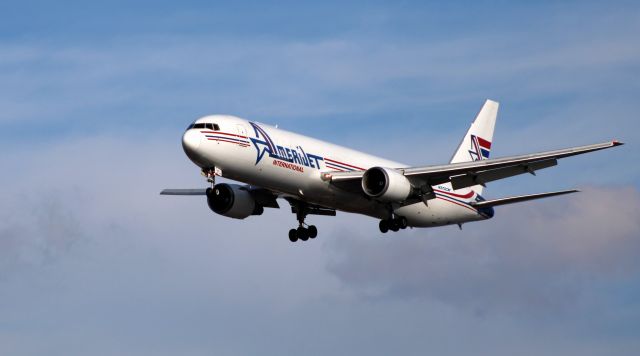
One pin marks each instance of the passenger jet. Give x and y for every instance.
(319, 178)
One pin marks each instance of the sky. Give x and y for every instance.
(94, 98)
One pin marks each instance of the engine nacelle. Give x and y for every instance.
(386, 184)
(232, 200)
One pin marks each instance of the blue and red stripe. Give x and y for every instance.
(223, 133)
(341, 166)
(482, 146)
(454, 198)
(456, 202)
(226, 137)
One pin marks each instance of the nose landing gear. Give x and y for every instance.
(211, 174)
(393, 224)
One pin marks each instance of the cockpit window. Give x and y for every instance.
(208, 126)
(213, 127)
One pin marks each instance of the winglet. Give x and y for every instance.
(617, 143)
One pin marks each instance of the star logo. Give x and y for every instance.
(262, 147)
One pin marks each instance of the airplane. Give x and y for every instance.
(320, 178)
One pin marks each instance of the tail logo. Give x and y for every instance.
(480, 148)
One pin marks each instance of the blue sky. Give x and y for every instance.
(94, 100)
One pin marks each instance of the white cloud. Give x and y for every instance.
(537, 258)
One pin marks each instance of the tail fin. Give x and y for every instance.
(476, 143)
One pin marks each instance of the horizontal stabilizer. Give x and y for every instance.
(184, 192)
(520, 198)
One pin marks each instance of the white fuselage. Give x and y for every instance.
(294, 165)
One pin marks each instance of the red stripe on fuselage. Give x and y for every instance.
(344, 164)
(229, 141)
(466, 196)
(456, 203)
(223, 133)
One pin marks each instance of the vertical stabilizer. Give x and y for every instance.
(476, 143)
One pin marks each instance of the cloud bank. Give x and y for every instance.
(537, 258)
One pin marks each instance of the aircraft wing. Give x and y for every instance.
(519, 198)
(264, 197)
(196, 191)
(467, 174)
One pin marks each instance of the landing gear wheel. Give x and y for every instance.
(394, 225)
(402, 222)
(293, 235)
(313, 231)
(384, 226)
(302, 233)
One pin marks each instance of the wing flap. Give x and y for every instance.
(483, 177)
(519, 198)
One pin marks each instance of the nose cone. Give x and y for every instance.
(191, 140)
(190, 143)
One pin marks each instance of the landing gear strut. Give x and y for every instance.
(393, 224)
(211, 174)
(304, 231)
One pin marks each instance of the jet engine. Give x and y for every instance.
(232, 200)
(386, 184)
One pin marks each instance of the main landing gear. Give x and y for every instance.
(394, 224)
(302, 233)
